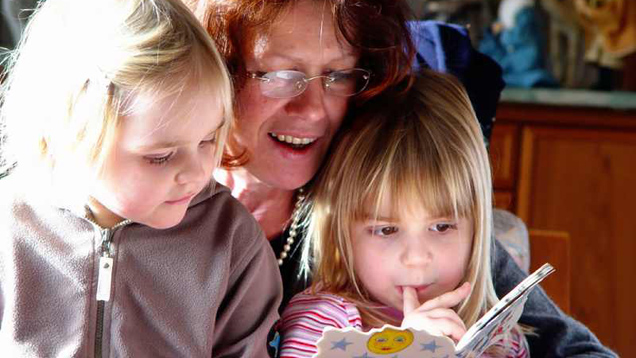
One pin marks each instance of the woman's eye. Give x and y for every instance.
(160, 160)
(384, 230)
(443, 227)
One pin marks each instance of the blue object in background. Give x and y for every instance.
(447, 48)
(519, 51)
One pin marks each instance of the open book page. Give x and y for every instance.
(396, 342)
(502, 317)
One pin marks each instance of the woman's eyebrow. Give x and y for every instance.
(350, 55)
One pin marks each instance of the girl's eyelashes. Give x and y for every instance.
(208, 142)
(443, 227)
(160, 160)
(384, 230)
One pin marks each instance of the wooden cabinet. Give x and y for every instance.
(573, 169)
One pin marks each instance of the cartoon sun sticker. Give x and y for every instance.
(390, 341)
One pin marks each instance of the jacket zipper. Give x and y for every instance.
(104, 281)
(105, 257)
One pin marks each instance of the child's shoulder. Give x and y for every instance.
(20, 211)
(310, 295)
(227, 225)
(12, 194)
(331, 309)
(222, 212)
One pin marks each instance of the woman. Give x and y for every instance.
(282, 138)
(301, 67)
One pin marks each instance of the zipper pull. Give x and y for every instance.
(104, 278)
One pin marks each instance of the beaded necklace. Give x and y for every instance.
(300, 198)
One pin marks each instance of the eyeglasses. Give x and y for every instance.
(288, 83)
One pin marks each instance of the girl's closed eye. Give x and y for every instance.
(208, 141)
(160, 159)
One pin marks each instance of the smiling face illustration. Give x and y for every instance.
(389, 341)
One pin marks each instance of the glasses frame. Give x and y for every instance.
(260, 76)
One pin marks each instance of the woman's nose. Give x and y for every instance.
(309, 105)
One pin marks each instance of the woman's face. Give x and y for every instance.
(303, 39)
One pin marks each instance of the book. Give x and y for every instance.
(397, 342)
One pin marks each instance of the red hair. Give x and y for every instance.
(376, 29)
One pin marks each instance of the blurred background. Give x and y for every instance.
(586, 44)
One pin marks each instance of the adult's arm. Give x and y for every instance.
(558, 335)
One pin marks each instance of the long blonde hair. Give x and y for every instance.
(425, 150)
(78, 68)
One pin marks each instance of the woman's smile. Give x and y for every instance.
(292, 141)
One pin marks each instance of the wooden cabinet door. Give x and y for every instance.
(583, 181)
(503, 151)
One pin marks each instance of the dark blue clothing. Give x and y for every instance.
(447, 48)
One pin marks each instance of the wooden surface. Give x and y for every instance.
(553, 247)
(574, 170)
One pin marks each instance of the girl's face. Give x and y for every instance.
(416, 250)
(162, 156)
(303, 39)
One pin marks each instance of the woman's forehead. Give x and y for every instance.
(304, 33)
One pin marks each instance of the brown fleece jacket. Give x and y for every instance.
(208, 287)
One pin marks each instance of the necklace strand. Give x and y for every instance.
(300, 197)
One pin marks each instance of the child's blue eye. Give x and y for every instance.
(160, 160)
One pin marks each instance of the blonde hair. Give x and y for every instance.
(78, 68)
(425, 150)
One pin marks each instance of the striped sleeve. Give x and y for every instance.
(515, 346)
(307, 315)
(519, 346)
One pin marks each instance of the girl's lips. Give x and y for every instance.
(183, 200)
(420, 289)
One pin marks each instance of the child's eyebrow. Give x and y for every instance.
(367, 216)
(176, 143)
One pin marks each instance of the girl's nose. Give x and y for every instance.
(416, 253)
(192, 171)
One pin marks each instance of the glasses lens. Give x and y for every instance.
(347, 82)
(283, 84)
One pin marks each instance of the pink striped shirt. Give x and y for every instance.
(307, 315)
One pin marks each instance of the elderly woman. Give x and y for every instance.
(301, 68)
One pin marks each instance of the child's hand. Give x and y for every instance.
(436, 316)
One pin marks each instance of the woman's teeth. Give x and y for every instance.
(294, 141)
